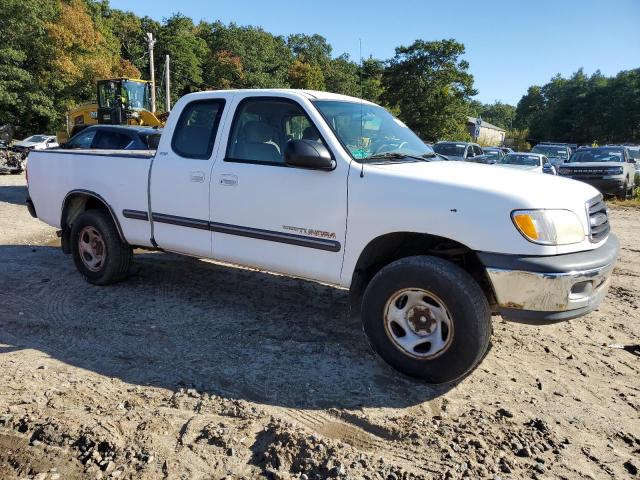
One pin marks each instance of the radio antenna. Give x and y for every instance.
(361, 115)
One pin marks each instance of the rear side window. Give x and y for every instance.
(195, 132)
(107, 140)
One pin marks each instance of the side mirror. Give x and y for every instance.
(308, 154)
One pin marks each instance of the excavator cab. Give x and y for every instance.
(121, 100)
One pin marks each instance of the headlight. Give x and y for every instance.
(549, 227)
(614, 171)
(563, 171)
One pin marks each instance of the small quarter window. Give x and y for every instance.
(195, 132)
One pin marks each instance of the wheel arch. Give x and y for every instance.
(393, 246)
(77, 202)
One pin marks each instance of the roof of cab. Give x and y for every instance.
(309, 94)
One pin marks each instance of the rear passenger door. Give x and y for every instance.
(179, 189)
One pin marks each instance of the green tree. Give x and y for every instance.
(305, 75)
(180, 39)
(266, 59)
(529, 107)
(430, 86)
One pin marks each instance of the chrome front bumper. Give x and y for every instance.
(575, 293)
(551, 289)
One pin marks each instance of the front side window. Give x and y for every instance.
(263, 126)
(368, 130)
(82, 139)
(195, 132)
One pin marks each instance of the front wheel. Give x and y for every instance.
(427, 318)
(98, 252)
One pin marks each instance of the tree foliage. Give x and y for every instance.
(52, 52)
(430, 87)
(583, 109)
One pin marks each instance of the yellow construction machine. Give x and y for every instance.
(121, 101)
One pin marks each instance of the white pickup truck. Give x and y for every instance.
(335, 189)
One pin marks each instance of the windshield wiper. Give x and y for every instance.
(399, 156)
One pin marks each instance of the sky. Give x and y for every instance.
(510, 44)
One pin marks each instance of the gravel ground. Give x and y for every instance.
(192, 369)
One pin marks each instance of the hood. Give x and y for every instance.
(516, 187)
(593, 164)
(468, 202)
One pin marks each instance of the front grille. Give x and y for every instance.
(585, 172)
(598, 219)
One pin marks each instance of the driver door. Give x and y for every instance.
(269, 215)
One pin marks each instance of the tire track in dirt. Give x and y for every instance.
(360, 436)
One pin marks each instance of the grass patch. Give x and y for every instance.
(632, 202)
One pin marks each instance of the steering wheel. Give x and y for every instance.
(388, 148)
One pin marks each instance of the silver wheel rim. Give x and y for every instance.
(91, 248)
(418, 323)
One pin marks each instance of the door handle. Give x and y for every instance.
(228, 180)
(196, 177)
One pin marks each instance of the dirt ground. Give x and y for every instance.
(191, 369)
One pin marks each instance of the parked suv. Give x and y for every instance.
(610, 169)
(462, 151)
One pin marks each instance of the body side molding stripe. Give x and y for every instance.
(280, 237)
(135, 215)
(257, 233)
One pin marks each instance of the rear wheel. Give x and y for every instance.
(98, 253)
(427, 318)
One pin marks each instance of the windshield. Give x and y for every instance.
(369, 130)
(492, 153)
(450, 149)
(551, 151)
(527, 160)
(36, 138)
(136, 95)
(597, 155)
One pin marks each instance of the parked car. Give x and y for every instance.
(571, 146)
(634, 154)
(335, 189)
(114, 137)
(610, 169)
(35, 142)
(461, 151)
(530, 162)
(493, 154)
(557, 154)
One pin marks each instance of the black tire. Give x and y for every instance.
(457, 291)
(117, 257)
(625, 192)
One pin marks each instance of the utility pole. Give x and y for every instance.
(151, 42)
(167, 86)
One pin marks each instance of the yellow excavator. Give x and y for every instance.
(121, 101)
